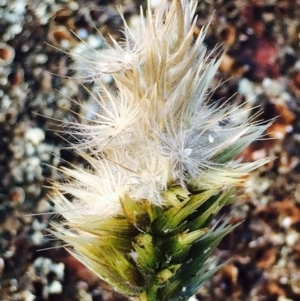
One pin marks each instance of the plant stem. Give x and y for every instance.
(150, 294)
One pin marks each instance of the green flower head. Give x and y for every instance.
(161, 156)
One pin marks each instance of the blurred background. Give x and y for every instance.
(37, 93)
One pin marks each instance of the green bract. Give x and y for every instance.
(154, 252)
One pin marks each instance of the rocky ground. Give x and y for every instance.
(262, 64)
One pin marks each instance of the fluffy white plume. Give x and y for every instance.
(159, 129)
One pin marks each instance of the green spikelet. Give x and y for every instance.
(154, 259)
